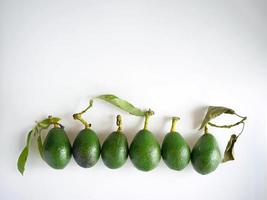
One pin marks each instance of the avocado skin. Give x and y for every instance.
(145, 151)
(175, 151)
(86, 148)
(206, 156)
(114, 150)
(57, 148)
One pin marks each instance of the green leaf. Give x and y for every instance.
(24, 155)
(228, 153)
(40, 145)
(22, 160)
(122, 104)
(213, 112)
(36, 131)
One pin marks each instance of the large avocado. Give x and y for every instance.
(114, 150)
(145, 151)
(57, 148)
(86, 148)
(206, 154)
(175, 151)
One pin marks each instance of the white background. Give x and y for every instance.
(176, 57)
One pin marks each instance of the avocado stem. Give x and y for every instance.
(78, 116)
(55, 123)
(174, 122)
(206, 129)
(119, 123)
(147, 115)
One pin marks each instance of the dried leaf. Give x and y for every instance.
(228, 153)
(213, 112)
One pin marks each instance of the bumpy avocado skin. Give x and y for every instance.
(86, 148)
(175, 151)
(57, 148)
(206, 156)
(145, 151)
(114, 150)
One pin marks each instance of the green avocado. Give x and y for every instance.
(114, 150)
(57, 148)
(145, 151)
(206, 154)
(86, 148)
(175, 151)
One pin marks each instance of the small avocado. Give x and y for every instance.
(57, 148)
(145, 151)
(86, 148)
(175, 151)
(206, 154)
(114, 150)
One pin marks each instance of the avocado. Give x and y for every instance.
(86, 148)
(175, 151)
(57, 148)
(145, 151)
(206, 154)
(114, 150)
